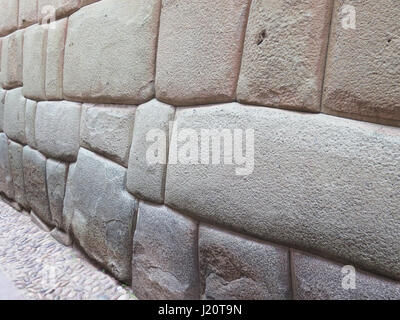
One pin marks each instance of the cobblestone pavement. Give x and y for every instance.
(42, 268)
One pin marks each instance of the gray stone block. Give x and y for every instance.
(14, 115)
(68, 207)
(30, 114)
(56, 178)
(103, 213)
(57, 129)
(164, 262)
(2, 101)
(11, 60)
(146, 177)
(319, 279)
(107, 129)
(237, 268)
(6, 182)
(41, 224)
(17, 171)
(314, 177)
(35, 183)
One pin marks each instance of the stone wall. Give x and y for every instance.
(306, 94)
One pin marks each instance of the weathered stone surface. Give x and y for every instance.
(68, 208)
(146, 178)
(14, 115)
(164, 263)
(6, 183)
(110, 52)
(9, 16)
(2, 101)
(284, 54)
(41, 224)
(11, 60)
(17, 172)
(57, 129)
(62, 237)
(35, 44)
(55, 9)
(320, 279)
(103, 213)
(363, 71)
(56, 178)
(27, 13)
(199, 52)
(35, 183)
(237, 268)
(107, 129)
(55, 59)
(30, 114)
(314, 177)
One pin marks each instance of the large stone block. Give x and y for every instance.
(199, 52)
(35, 44)
(363, 71)
(146, 176)
(110, 52)
(2, 102)
(57, 129)
(35, 183)
(304, 179)
(14, 115)
(56, 178)
(9, 16)
(49, 10)
(6, 182)
(11, 60)
(107, 129)
(237, 268)
(55, 59)
(30, 114)
(17, 172)
(68, 207)
(27, 13)
(284, 54)
(164, 263)
(103, 213)
(319, 279)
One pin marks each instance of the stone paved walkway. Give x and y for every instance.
(41, 268)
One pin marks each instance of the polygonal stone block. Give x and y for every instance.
(17, 172)
(11, 60)
(35, 44)
(110, 52)
(199, 53)
(146, 176)
(68, 207)
(2, 102)
(298, 179)
(107, 129)
(284, 54)
(103, 213)
(27, 13)
(236, 268)
(164, 263)
(57, 129)
(6, 182)
(363, 71)
(30, 114)
(14, 115)
(9, 16)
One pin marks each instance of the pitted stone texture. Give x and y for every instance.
(199, 50)
(27, 13)
(17, 172)
(9, 16)
(146, 179)
(320, 279)
(6, 182)
(107, 129)
(284, 54)
(363, 71)
(55, 9)
(35, 44)
(14, 115)
(2, 101)
(315, 176)
(237, 268)
(164, 263)
(11, 60)
(35, 183)
(56, 178)
(55, 59)
(57, 129)
(30, 114)
(110, 52)
(103, 213)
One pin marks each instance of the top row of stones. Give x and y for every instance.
(272, 53)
